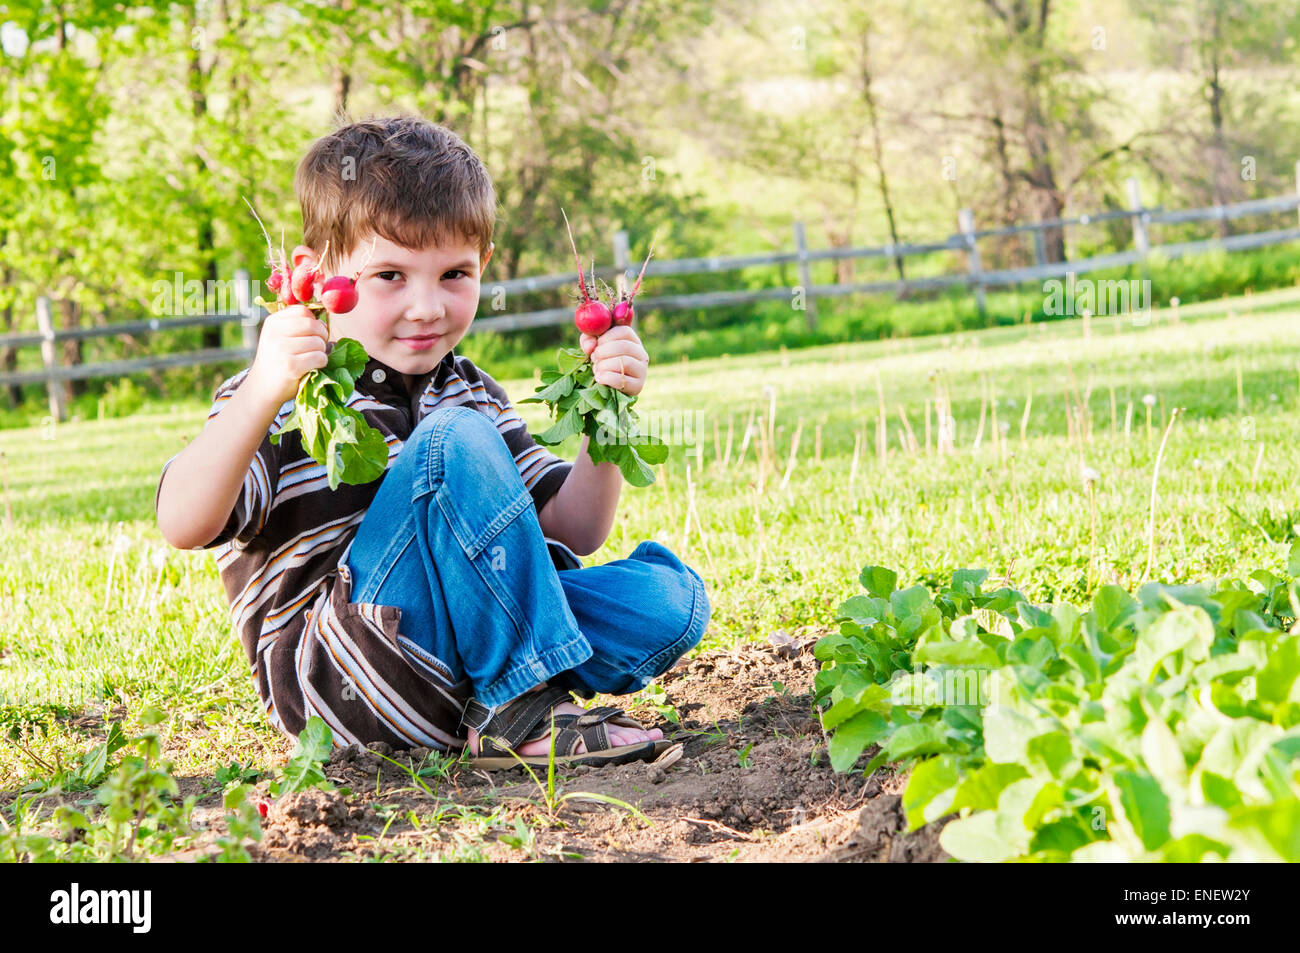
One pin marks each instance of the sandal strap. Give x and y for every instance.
(592, 727)
(514, 722)
(531, 718)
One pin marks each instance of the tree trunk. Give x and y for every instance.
(9, 353)
(1218, 145)
(342, 76)
(210, 336)
(72, 350)
(1048, 201)
(878, 154)
(342, 83)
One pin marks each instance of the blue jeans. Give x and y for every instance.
(452, 539)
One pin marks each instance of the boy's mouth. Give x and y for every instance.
(421, 343)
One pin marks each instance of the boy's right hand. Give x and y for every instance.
(293, 342)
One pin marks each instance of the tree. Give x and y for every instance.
(1216, 42)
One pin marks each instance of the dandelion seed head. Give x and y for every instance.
(1149, 399)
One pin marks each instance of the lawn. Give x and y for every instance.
(100, 617)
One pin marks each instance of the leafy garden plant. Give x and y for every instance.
(1160, 726)
(581, 405)
(133, 812)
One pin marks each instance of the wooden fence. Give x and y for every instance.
(802, 296)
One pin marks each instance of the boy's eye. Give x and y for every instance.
(380, 274)
(455, 272)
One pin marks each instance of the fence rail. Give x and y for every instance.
(965, 240)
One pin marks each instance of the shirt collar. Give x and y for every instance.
(384, 383)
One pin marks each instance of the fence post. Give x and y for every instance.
(805, 275)
(249, 319)
(1040, 248)
(966, 222)
(50, 358)
(622, 260)
(1297, 181)
(1140, 240)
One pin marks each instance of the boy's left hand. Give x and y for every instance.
(618, 350)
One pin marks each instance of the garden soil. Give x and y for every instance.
(751, 782)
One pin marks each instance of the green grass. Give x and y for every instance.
(160, 634)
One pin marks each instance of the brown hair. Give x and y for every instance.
(404, 178)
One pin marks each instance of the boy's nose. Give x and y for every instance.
(426, 309)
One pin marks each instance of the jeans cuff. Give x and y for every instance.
(532, 671)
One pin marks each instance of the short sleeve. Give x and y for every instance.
(256, 496)
(542, 471)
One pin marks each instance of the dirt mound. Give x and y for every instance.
(751, 782)
(314, 824)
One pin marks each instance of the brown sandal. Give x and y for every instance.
(530, 717)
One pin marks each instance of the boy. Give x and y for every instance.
(442, 603)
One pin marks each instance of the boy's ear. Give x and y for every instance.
(300, 254)
(488, 257)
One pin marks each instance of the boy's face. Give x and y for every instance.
(406, 296)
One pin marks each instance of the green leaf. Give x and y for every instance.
(313, 747)
(912, 740)
(1276, 681)
(968, 581)
(969, 654)
(652, 453)
(853, 736)
(1052, 752)
(878, 581)
(907, 603)
(981, 789)
(315, 741)
(864, 610)
(1162, 755)
(1006, 735)
(634, 469)
(1192, 849)
(563, 429)
(1186, 629)
(569, 359)
(977, 839)
(562, 387)
(1275, 826)
(361, 459)
(1145, 807)
(930, 781)
(588, 400)
(1110, 606)
(1219, 791)
(1064, 836)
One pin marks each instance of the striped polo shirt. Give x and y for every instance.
(281, 559)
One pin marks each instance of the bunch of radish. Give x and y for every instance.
(581, 405)
(593, 316)
(333, 434)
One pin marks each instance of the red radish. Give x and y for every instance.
(275, 281)
(623, 311)
(592, 317)
(261, 808)
(303, 281)
(339, 294)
